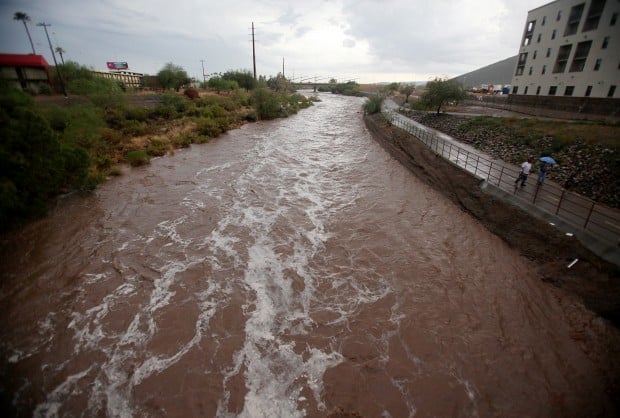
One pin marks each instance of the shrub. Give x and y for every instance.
(137, 158)
(137, 113)
(183, 140)
(209, 127)
(157, 147)
(192, 93)
(176, 101)
(266, 103)
(35, 163)
(373, 104)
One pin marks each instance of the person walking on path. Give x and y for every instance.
(525, 171)
(542, 172)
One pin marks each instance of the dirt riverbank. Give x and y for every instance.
(592, 281)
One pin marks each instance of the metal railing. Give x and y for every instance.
(581, 212)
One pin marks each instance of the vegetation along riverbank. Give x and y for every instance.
(588, 153)
(53, 145)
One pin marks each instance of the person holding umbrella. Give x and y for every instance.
(546, 162)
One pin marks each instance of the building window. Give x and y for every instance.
(559, 15)
(605, 42)
(581, 54)
(515, 89)
(548, 52)
(544, 21)
(594, 15)
(562, 59)
(534, 55)
(612, 90)
(568, 91)
(597, 64)
(529, 32)
(530, 71)
(588, 91)
(544, 69)
(537, 90)
(521, 63)
(573, 19)
(552, 90)
(530, 26)
(553, 34)
(614, 18)
(539, 37)
(525, 91)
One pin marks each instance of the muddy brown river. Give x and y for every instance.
(289, 268)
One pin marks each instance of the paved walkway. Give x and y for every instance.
(596, 226)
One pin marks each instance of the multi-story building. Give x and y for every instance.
(570, 48)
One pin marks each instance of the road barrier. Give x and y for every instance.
(581, 212)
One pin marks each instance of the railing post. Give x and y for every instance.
(557, 209)
(536, 192)
(466, 160)
(589, 214)
(458, 154)
(477, 162)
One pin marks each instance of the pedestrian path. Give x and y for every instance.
(596, 226)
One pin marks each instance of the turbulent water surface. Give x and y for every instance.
(287, 268)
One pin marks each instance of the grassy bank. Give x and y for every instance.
(56, 145)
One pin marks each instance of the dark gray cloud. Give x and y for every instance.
(362, 38)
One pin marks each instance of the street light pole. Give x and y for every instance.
(62, 83)
(204, 79)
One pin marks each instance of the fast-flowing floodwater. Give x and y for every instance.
(288, 268)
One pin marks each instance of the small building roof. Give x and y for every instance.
(23, 60)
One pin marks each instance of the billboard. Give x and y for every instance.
(117, 65)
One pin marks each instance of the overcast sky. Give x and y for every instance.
(366, 41)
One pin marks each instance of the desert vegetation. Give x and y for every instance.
(51, 147)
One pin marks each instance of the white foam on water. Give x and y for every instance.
(55, 399)
(275, 370)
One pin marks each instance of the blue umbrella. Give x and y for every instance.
(548, 160)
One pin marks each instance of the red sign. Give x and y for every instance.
(117, 65)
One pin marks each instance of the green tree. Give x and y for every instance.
(172, 76)
(24, 18)
(220, 84)
(392, 87)
(440, 91)
(407, 90)
(279, 83)
(267, 103)
(244, 78)
(60, 51)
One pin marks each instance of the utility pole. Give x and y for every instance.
(62, 83)
(253, 52)
(204, 79)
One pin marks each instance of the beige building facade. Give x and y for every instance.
(570, 48)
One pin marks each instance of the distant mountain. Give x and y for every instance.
(499, 73)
